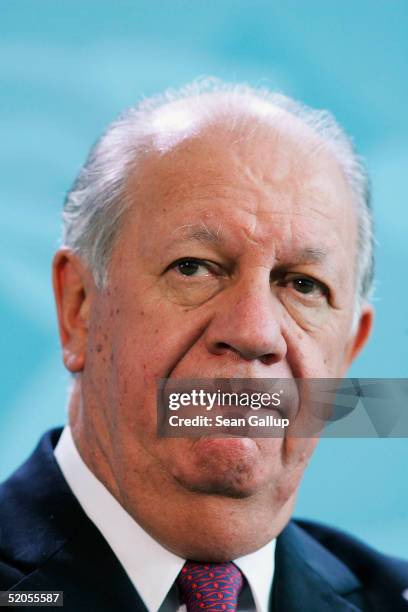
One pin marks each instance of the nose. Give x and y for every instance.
(248, 323)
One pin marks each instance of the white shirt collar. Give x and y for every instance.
(142, 557)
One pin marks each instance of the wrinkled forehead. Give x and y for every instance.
(245, 153)
(275, 184)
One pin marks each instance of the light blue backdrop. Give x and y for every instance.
(68, 67)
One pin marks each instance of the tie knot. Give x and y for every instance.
(210, 586)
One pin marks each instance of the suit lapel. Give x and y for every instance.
(66, 552)
(308, 577)
(88, 573)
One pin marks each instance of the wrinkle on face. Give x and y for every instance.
(253, 207)
(272, 194)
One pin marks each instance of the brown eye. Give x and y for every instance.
(191, 267)
(304, 285)
(307, 286)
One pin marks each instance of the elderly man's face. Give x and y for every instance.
(236, 259)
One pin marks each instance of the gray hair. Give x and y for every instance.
(94, 207)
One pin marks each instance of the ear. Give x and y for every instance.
(360, 336)
(72, 284)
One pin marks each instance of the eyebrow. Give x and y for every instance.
(202, 233)
(309, 255)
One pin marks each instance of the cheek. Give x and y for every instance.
(307, 314)
(146, 344)
(315, 354)
(335, 342)
(99, 349)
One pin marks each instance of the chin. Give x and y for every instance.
(229, 467)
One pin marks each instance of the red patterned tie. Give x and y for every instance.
(210, 586)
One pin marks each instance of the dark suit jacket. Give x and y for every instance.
(48, 543)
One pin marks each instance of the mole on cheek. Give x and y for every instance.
(99, 348)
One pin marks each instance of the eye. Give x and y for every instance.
(307, 286)
(191, 267)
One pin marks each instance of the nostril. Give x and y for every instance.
(269, 359)
(223, 346)
(266, 359)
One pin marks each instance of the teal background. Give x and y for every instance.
(68, 67)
